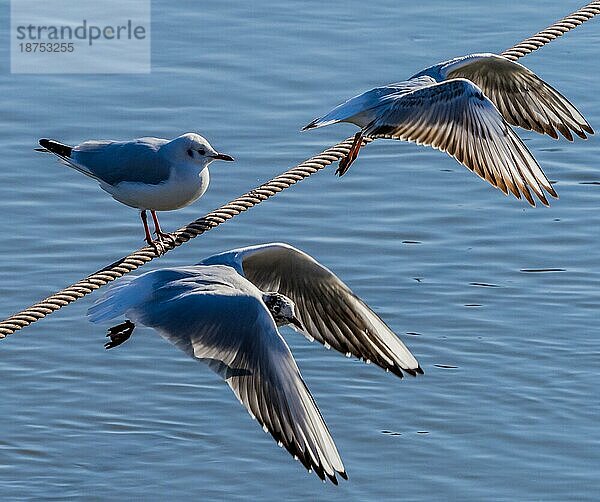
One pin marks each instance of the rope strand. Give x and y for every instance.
(184, 234)
(250, 199)
(551, 33)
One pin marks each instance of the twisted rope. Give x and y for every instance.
(249, 199)
(558, 29)
(194, 229)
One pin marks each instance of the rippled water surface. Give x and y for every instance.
(499, 301)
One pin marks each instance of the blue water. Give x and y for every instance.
(508, 407)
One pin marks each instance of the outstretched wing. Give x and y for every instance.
(523, 98)
(330, 312)
(233, 332)
(455, 117)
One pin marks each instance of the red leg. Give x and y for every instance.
(157, 228)
(347, 161)
(146, 229)
(148, 236)
(158, 231)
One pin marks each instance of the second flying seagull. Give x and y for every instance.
(464, 107)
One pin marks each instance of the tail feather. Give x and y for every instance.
(114, 303)
(55, 147)
(322, 121)
(359, 110)
(65, 155)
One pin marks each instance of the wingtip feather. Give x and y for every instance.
(55, 147)
(310, 125)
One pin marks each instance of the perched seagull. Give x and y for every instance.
(218, 312)
(147, 173)
(463, 107)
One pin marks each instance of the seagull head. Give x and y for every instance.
(282, 309)
(192, 147)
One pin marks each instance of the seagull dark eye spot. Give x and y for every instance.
(201, 151)
(190, 152)
(276, 309)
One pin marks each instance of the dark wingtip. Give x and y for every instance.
(318, 470)
(567, 134)
(343, 474)
(527, 194)
(552, 192)
(55, 147)
(411, 371)
(311, 125)
(543, 199)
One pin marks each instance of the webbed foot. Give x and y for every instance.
(119, 334)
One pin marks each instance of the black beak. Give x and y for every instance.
(294, 321)
(223, 156)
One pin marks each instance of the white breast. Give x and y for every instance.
(181, 189)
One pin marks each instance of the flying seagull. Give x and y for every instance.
(218, 317)
(225, 312)
(464, 107)
(149, 174)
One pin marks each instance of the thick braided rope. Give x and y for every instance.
(248, 200)
(558, 29)
(184, 234)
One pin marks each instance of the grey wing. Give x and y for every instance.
(330, 312)
(523, 98)
(454, 116)
(237, 337)
(115, 162)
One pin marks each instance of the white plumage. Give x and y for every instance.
(147, 173)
